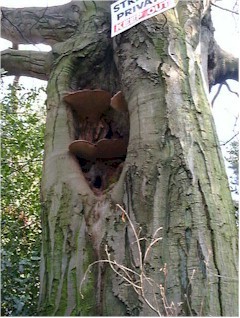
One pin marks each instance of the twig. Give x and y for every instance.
(236, 120)
(226, 142)
(137, 280)
(229, 88)
(135, 234)
(111, 263)
(186, 295)
(157, 230)
(150, 246)
(225, 9)
(219, 89)
(217, 93)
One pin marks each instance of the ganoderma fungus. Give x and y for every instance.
(118, 102)
(83, 149)
(111, 148)
(89, 103)
(103, 149)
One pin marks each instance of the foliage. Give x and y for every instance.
(22, 129)
(233, 162)
(233, 159)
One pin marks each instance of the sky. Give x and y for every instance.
(225, 109)
(31, 3)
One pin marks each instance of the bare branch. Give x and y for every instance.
(27, 63)
(217, 94)
(150, 246)
(221, 66)
(219, 89)
(225, 9)
(40, 25)
(230, 90)
(226, 142)
(47, 25)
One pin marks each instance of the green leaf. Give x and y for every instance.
(22, 131)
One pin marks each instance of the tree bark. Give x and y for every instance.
(173, 178)
(217, 65)
(221, 66)
(27, 63)
(40, 25)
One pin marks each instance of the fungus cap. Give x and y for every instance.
(103, 149)
(89, 103)
(83, 149)
(118, 102)
(111, 148)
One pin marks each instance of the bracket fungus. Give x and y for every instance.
(118, 102)
(103, 125)
(111, 148)
(89, 103)
(103, 149)
(84, 149)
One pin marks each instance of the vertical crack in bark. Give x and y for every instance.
(100, 282)
(185, 282)
(56, 115)
(129, 189)
(201, 258)
(200, 152)
(208, 218)
(139, 124)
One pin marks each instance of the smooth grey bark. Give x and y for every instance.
(173, 176)
(47, 25)
(27, 63)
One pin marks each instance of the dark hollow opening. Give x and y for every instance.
(97, 182)
(85, 164)
(100, 154)
(109, 133)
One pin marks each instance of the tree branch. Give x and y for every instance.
(27, 63)
(225, 9)
(219, 89)
(226, 142)
(221, 66)
(46, 25)
(40, 25)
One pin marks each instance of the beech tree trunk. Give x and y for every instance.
(172, 184)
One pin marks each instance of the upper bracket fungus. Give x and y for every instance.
(89, 103)
(103, 126)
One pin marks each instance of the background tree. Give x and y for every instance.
(22, 132)
(172, 174)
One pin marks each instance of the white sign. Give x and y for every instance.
(127, 13)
